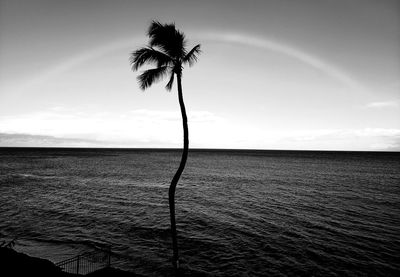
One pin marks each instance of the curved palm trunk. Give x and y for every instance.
(174, 182)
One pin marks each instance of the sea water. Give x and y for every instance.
(239, 213)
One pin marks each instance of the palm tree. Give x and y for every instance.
(167, 50)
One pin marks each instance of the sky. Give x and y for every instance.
(273, 74)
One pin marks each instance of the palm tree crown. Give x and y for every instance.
(167, 50)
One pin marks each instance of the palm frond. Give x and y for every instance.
(170, 82)
(167, 38)
(148, 77)
(166, 50)
(192, 56)
(148, 55)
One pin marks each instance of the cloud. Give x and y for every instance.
(163, 128)
(137, 128)
(27, 140)
(383, 104)
(366, 139)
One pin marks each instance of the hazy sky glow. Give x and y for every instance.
(272, 75)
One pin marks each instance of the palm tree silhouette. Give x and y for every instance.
(167, 50)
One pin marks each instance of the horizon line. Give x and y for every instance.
(196, 149)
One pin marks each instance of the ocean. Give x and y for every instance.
(239, 213)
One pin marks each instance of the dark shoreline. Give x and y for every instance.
(19, 264)
(14, 263)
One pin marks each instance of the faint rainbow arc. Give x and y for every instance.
(278, 47)
(235, 38)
